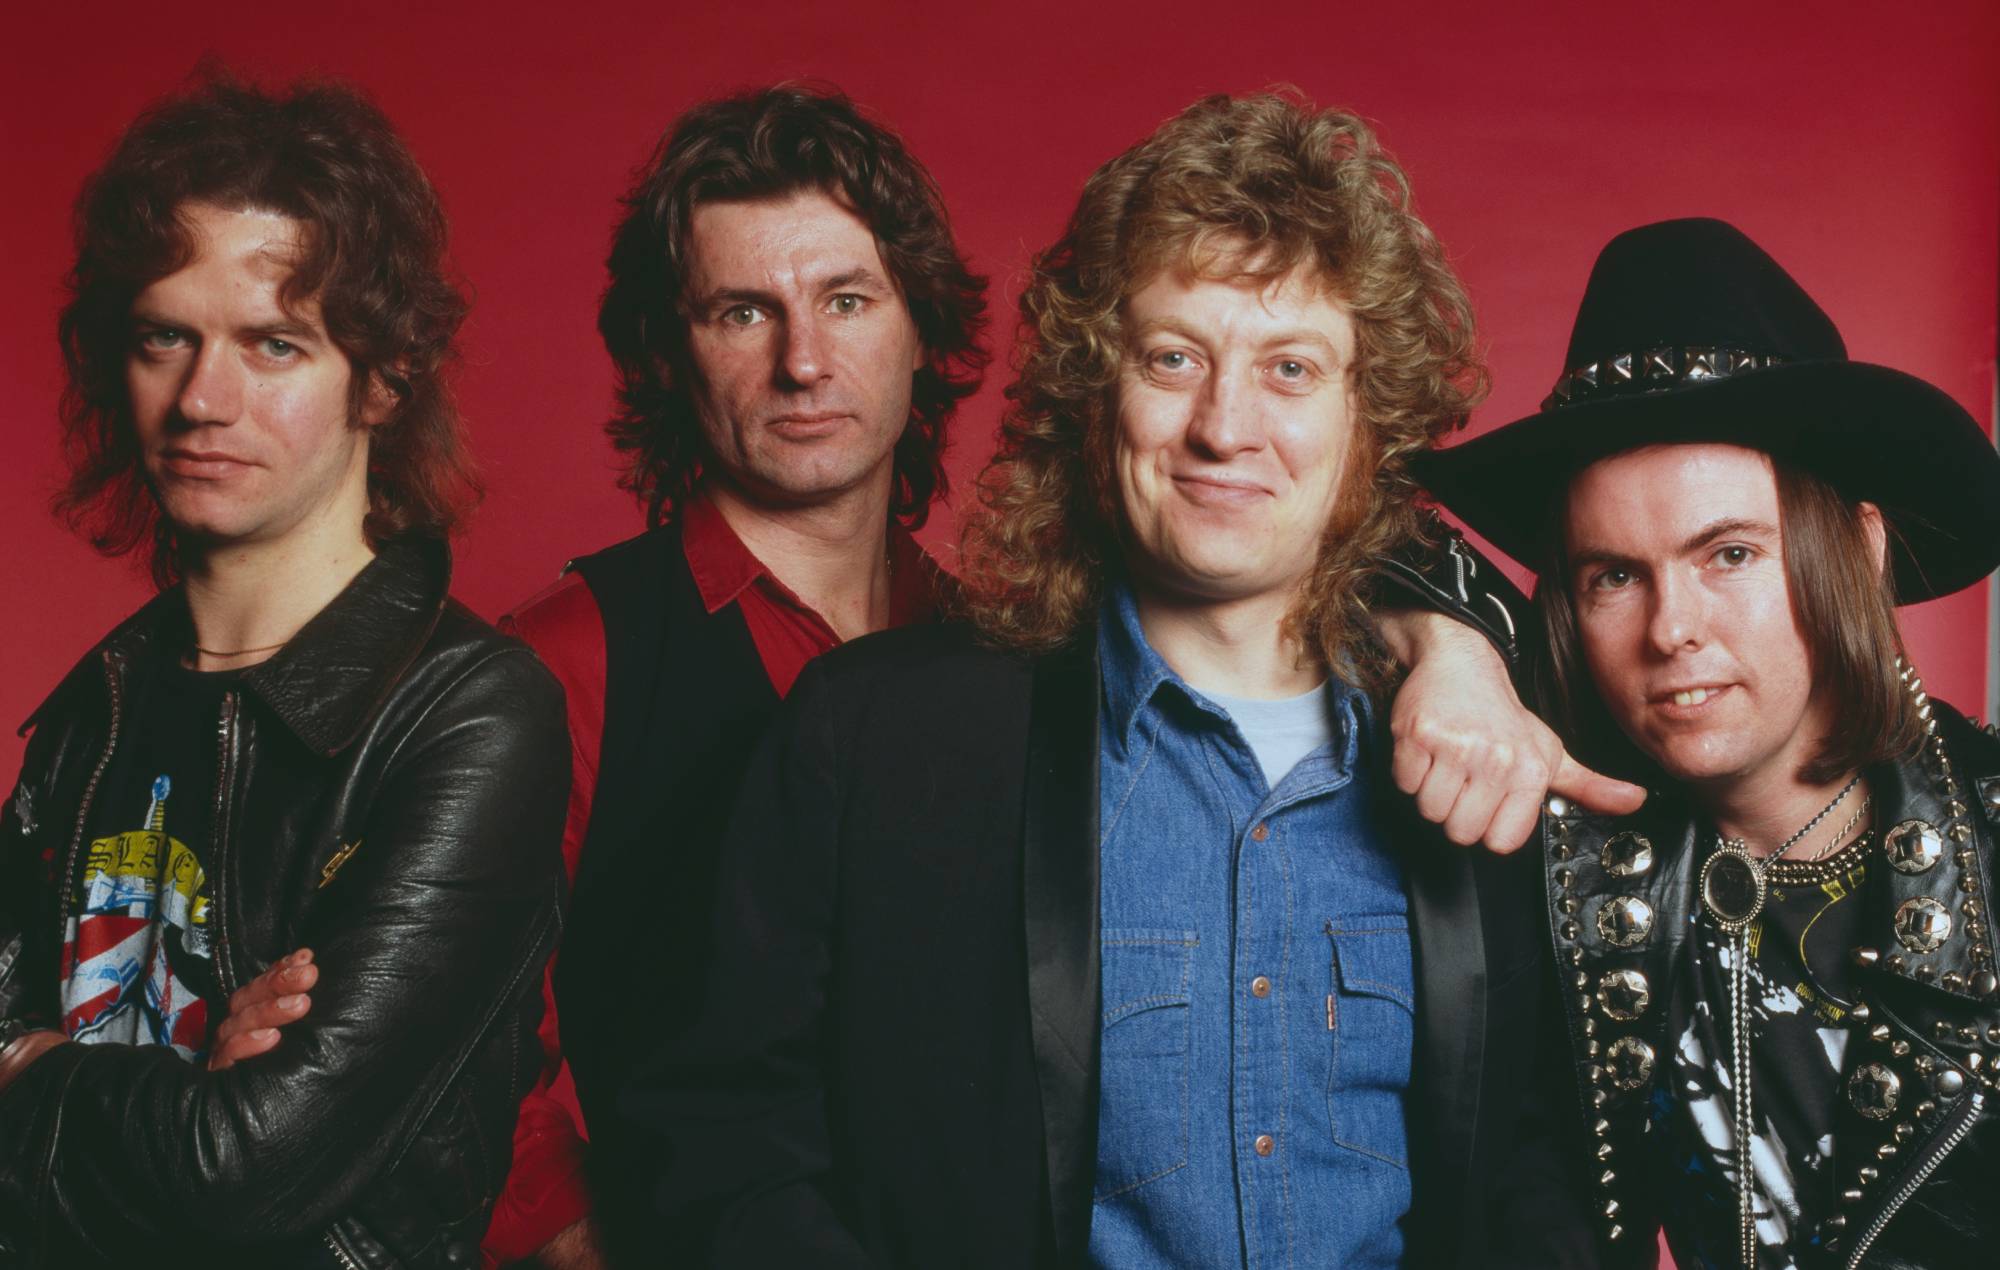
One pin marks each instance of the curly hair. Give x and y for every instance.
(372, 254)
(1248, 189)
(765, 145)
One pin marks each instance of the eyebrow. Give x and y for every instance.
(1695, 541)
(1289, 335)
(858, 277)
(282, 328)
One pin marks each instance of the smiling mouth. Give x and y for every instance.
(1209, 488)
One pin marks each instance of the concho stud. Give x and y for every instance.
(1624, 921)
(1732, 886)
(1923, 924)
(1629, 1062)
(1626, 855)
(1874, 1090)
(1913, 846)
(1624, 994)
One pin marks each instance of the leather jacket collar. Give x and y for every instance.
(335, 673)
(1920, 1069)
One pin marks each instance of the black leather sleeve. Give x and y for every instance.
(736, 1102)
(447, 909)
(1444, 573)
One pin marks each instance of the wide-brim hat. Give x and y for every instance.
(1690, 332)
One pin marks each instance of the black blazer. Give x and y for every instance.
(894, 1062)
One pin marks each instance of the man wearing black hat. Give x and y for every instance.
(1724, 511)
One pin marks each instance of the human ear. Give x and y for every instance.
(380, 399)
(1877, 532)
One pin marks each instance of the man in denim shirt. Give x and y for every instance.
(1094, 930)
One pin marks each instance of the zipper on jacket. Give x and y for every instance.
(225, 770)
(340, 1253)
(1967, 1114)
(114, 686)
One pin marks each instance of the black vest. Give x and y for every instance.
(686, 700)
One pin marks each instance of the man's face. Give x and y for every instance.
(1235, 416)
(1686, 621)
(241, 406)
(802, 348)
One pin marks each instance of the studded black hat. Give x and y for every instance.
(1690, 332)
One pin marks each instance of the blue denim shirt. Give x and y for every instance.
(1258, 984)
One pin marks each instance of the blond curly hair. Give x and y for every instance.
(1246, 188)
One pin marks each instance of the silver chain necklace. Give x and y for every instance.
(1733, 888)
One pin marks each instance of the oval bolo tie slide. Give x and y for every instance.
(1732, 886)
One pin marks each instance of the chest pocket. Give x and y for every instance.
(1371, 1018)
(1142, 1123)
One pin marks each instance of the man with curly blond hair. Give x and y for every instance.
(1092, 930)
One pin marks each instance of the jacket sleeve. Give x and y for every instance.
(447, 909)
(1441, 572)
(736, 1102)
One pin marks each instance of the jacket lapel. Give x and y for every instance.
(1449, 941)
(1059, 868)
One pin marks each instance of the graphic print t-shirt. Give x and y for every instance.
(1796, 997)
(136, 956)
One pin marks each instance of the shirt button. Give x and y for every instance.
(1260, 833)
(1264, 1144)
(1260, 987)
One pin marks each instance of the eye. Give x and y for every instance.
(280, 350)
(847, 304)
(1734, 556)
(1611, 579)
(742, 315)
(162, 339)
(1291, 369)
(1172, 359)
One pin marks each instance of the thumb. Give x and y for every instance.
(1598, 792)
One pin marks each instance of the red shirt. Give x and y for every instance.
(545, 1192)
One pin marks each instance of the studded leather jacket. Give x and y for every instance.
(1917, 1137)
(390, 793)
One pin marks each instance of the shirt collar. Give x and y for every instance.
(723, 567)
(1132, 671)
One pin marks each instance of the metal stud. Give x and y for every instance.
(1659, 363)
(1629, 1062)
(1926, 1109)
(1887, 1151)
(1606, 1178)
(1968, 1034)
(1960, 832)
(1615, 1233)
(1865, 957)
(1913, 846)
(1604, 1150)
(1852, 1195)
(1557, 806)
(1836, 1222)
(1626, 855)
(1925, 972)
(1619, 368)
(1949, 1082)
(1905, 1131)
(1564, 877)
(1624, 921)
(1624, 994)
(1860, 1012)
(1868, 1174)
(1874, 1089)
(1569, 931)
(1880, 1032)
(1601, 1127)
(1942, 1030)
(1900, 1048)
(1895, 962)
(1923, 924)
(1568, 905)
(1610, 1208)
(1952, 981)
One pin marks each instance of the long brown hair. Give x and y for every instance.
(1262, 185)
(373, 254)
(1845, 603)
(762, 145)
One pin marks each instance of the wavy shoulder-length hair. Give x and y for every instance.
(765, 145)
(1243, 188)
(372, 255)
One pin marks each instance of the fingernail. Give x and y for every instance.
(292, 1002)
(263, 1033)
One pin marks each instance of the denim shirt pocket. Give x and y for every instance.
(1142, 1133)
(1371, 1018)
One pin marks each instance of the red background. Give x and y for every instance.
(1859, 144)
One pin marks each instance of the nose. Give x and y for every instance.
(1224, 422)
(213, 390)
(803, 360)
(1679, 621)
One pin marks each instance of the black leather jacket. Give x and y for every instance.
(391, 794)
(1917, 1137)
